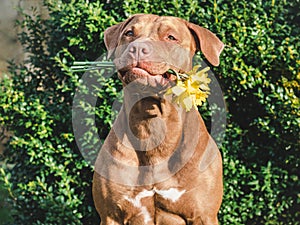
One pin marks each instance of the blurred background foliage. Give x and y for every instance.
(45, 180)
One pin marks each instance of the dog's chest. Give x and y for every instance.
(143, 205)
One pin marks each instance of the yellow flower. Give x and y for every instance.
(191, 89)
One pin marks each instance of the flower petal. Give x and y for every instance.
(192, 88)
(178, 90)
(188, 103)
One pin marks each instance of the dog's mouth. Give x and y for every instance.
(146, 78)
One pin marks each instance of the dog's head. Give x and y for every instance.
(146, 46)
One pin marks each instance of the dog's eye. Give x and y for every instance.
(129, 33)
(172, 38)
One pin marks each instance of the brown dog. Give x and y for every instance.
(158, 164)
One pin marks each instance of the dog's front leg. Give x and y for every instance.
(204, 220)
(166, 218)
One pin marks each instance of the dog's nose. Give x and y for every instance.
(139, 50)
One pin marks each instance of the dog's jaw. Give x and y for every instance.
(157, 82)
(147, 73)
(142, 87)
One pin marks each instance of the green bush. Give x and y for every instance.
(50, 182)
(5, 207)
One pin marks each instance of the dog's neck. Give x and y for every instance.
(155, 125)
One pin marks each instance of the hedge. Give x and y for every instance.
(50, 181)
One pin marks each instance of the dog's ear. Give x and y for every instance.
(111, 38)
(113, 33)
(207, 42)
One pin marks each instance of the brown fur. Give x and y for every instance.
(176, 140)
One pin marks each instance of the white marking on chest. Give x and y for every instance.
(171, 194)
(136, 202)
